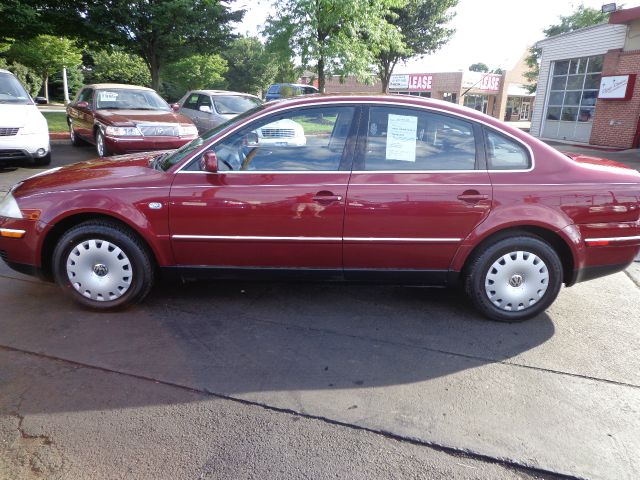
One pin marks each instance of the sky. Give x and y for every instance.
(495, 32)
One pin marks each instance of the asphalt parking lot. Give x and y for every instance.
(265, 380)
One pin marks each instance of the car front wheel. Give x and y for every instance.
(101, 148)
(515, 278)
(102, 265)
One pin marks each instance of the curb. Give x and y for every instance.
(59, 135)
(633, 271)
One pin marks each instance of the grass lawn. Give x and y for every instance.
(57, 121)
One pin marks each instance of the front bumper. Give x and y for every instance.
(24, 147)
(122, 145)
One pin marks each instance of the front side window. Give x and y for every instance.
(191, 102)
(505, 154)
(406, 139)
(311, 139)
(86, 95)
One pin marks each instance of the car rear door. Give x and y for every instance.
(418, 188)
(274, 204)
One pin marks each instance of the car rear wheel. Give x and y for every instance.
(101, 148)
(103, 265)
(515, 278)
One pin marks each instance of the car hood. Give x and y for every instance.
(18, 115)
(124, 171)
(133, 117)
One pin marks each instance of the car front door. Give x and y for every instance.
(277, 200)
(418, 188)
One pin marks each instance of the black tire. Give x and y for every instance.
(75, 140)
(516, 290)
(101, 148)
(136, 254)
(42, 161)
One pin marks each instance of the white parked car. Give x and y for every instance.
(284, 133)
(24, 133)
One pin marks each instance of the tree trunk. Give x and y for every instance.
(321, 79)
(154, 69)
(45, 82)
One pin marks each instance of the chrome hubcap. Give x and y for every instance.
(516, 281)
(99, 270)
(100, 145)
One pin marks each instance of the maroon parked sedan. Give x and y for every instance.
(123, 118)
(385, 189)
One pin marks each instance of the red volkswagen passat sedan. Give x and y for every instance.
(385, 189)
(120, 119)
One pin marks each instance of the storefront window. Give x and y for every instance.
(477, 102)
(450, 97)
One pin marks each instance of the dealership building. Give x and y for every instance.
(589, 87)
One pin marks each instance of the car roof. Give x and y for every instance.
(391, 99)
(294, 85)
(123, 86)
(221, 92)
(2, 70)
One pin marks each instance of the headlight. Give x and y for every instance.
(9, 207)
(123, 131)
(184, 130)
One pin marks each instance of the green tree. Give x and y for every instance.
(194, 73)
(46, 54)
(423, 28)
(479, 67)
(162, 31)
(251, 67)
(333, 36)
(23, 19)
(582, 17)
(75, 80)
(29, 79)
(119, 67)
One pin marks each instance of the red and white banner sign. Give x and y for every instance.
(489, 82)
(414, 82)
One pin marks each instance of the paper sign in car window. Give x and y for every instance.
(108, 96)
(401, 138)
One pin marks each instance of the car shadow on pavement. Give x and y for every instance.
(242, 340)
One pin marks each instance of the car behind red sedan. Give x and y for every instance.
(121, 119)
(386, 189)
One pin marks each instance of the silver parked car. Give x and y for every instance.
(210, 108)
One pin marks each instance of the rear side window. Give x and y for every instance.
(406, 139)
(504, 153)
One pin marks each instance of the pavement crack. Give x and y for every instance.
(453, 451)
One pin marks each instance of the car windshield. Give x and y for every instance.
(129, 99)
(234, 104)
(12, 92)
(184, 151)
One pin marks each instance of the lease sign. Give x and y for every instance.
(412, 82)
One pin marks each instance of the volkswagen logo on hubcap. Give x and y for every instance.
(516, 280)
(100, 269)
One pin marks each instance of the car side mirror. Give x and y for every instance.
(205, 108)
(209, 162)
(175, 107)
(41, 100)
(251, 139)
(82, 104)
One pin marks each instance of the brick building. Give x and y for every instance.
(589, 84)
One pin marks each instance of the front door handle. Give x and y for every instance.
(326, 197)
(472, 196)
